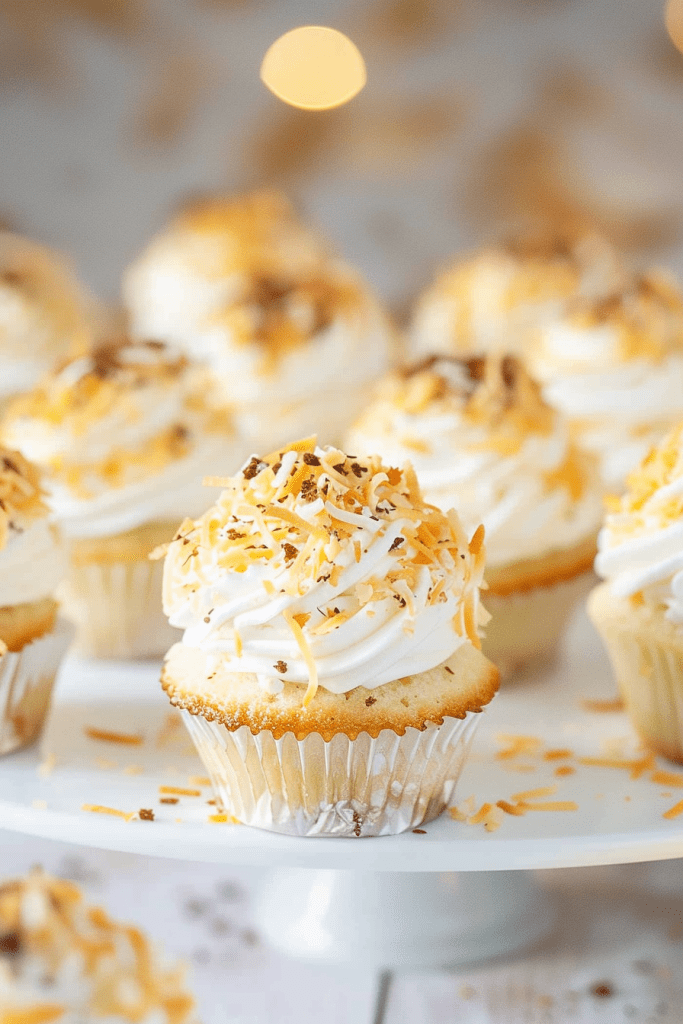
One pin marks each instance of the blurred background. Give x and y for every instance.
(475, 115)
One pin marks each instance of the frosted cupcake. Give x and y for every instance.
(64, 960)
(44, 313)
(125, 436)
(494, 299)
(638, 610)
(33, 640)
(330, 670)
(614, 366)
(483, 440)
(246, 288)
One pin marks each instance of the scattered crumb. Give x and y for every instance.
(602, 989)
(557, 755)
(145, 814)
(221, 819)
(105, 736)
(564, 769)
(179, 791)
(169, 800)
(46, 767)
(419, 832)
(602, 707)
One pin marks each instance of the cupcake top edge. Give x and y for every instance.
(315, 566)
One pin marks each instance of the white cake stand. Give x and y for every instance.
(451, 895)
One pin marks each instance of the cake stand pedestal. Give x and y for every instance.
(399, 919)
(451, 894)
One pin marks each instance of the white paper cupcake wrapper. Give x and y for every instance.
(526, 628)
(649, 673)
(117, 610)
(343, 787)
(26, 681)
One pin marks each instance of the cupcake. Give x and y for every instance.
(638, 610)
(614, 366)
(494, 298)
(287, 328)
(64, 960)
(605, 345)
(329, 671)
(125, 436)
(482, 439)
(33, 640)
(44, 313)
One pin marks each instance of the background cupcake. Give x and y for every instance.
(125, 436)
(294, 335)
(498, 297)
(63, 960)
(483, 440)
(638, 611)
(330, 660)
(45, 315)
(614, 366)
(32, 638)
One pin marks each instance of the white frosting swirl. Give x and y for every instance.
(125, 436)
(32, 564)
(203, 260)
(493, 299)
(516, 472)
(370, 607)
(640, 548)
(249, 291)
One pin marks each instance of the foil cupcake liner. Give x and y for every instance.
(513, 640)
(26, 681)
(116, 607)
(340, 787)
(649, 674)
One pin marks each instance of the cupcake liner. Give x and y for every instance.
(526, 627)
(117, 609)
(342, 787)
(26, 681)
(648, 666)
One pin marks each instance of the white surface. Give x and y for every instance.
(400, 920)
(619, 820)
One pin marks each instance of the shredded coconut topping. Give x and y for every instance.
(119, 414)
(366, 542)
(21, 495)
(53, 943)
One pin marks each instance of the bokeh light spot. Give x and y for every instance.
(314, 68)
(673, 19)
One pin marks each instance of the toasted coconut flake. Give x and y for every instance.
(99, 809)
(674, 812)
(107, 736)
(531, 794)
(306, 655)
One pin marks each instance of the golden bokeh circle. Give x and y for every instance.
(314, 68)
